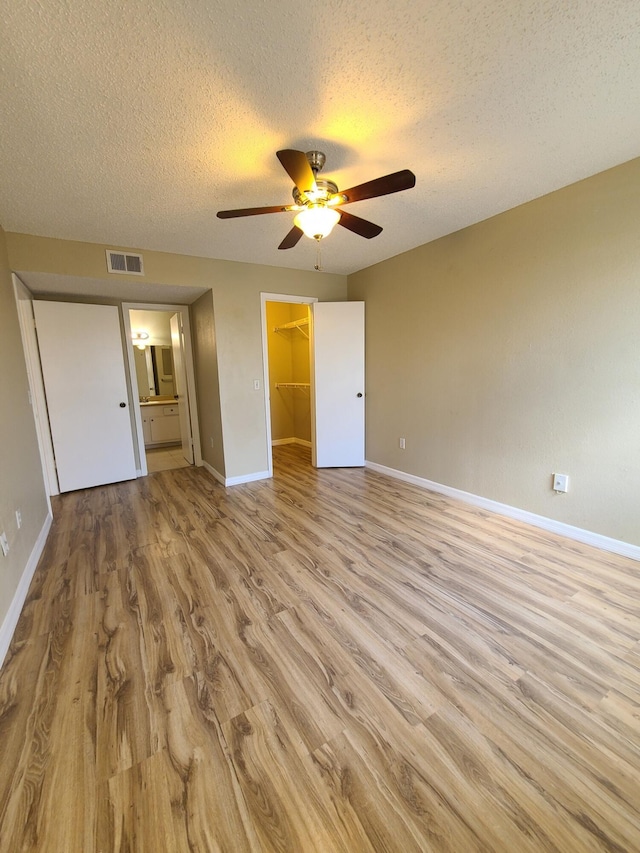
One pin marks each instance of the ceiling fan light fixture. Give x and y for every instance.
(317, 220)
(316, 199)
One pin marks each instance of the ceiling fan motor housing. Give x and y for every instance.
(324, 191)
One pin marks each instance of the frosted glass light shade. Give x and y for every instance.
(317, 220)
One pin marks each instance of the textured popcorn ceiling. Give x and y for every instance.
(131, 122)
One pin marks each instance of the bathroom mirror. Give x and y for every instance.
(154, 370)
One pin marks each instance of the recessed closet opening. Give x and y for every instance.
(313, 357)
(289, 376)
(287, 371)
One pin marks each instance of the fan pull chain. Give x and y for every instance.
(318, 263)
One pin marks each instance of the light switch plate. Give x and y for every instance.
(560, 482)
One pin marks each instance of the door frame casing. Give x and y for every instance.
(24, 304)
(178, 349)
(183, 310)
(264, 298)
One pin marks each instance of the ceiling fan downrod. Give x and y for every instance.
(316, 160)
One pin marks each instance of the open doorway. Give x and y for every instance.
(287, 378)
(162, 379)
(289, 375)
(316, 387)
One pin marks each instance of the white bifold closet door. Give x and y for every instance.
(337, 384)
(84, 378)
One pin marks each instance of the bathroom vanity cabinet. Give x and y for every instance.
(160, 423)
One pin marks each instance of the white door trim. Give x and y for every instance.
(180, 385)
(264, 298)
(183, 310)
(24, 304)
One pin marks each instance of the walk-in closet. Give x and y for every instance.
(289, 372)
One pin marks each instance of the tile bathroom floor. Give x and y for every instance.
(165, 458)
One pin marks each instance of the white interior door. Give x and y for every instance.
(180, 375)
(337, 384)
(84, 379)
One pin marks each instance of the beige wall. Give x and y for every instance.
(510, 350)
(237, 304)
(21, 482)
(238, 323)
(207, 384)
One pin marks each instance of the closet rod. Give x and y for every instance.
(294, 324)
(303, 385)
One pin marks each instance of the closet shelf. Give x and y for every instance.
(303, 385)
(294, 324)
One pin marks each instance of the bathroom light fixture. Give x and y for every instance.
(138, 339)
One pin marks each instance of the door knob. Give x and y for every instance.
(359, 394)
(122, 405)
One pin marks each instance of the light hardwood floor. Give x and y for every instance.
(327, 661)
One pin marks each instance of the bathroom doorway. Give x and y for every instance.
(163, 381)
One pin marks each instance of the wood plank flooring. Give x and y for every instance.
(326, 661)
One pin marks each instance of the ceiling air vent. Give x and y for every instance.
(127, 264)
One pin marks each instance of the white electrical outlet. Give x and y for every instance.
(4, 543)
(561, 482)
(18, 519)
(402, 443)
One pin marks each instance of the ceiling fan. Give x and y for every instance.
(316, 200)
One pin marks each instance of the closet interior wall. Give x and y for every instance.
(288, 353)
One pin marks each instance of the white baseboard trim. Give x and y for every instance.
(235, 481)
(247, 478)
(587, 537)
(215, 474)
(278, 441)
(15, 608)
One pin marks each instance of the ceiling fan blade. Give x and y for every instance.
(359, 226)
(393, 183)
(297, 166)
(254, 211)
(292, 238)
